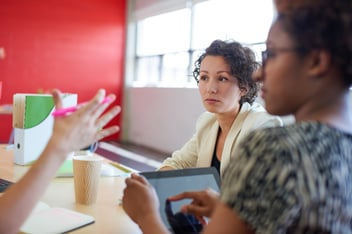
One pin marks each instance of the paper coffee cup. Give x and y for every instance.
(86, 174)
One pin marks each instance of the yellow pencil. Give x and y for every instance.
(120, 167)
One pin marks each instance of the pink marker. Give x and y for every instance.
(69, 110)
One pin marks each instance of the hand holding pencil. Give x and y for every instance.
(69, 110)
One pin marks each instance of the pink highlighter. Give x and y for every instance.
(69, 110)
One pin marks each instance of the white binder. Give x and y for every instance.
(33, 124)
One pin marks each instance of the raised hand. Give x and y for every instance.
(86, 125)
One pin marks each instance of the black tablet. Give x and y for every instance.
(168, 183)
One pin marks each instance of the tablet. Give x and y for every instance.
(169, 183)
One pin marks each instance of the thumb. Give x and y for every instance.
(57, 98)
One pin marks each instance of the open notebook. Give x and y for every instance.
(46, 219)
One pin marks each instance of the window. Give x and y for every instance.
(168, 44)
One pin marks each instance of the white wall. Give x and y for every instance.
(160, 118)
(163, 118)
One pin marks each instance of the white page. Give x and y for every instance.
(45, 219)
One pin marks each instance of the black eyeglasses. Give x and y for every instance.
(271, 53)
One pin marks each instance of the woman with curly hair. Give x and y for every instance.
(224, 76)
(292, 179)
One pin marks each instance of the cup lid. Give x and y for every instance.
(87, 158)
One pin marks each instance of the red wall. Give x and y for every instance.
(75, 45)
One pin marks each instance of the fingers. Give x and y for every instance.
(94, 103)
(129, 181)
(135, 178)
(102, 121)
(184, 195)
(106, 118)
(202, 202)
(96, 106)
(57, 98)
(211, 193)
(194, 209)
(93, 110)
(102, 106)
(106, 132)
(99, 96)
(139, 178)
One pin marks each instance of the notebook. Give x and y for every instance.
(168, 183)
(46, 219)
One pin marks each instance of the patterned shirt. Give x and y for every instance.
(293, 179)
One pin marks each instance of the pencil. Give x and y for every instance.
(120, 167)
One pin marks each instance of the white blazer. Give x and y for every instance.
(199, 150)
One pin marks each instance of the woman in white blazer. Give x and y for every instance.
(224, 76)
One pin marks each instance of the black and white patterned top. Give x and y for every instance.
(293, 179)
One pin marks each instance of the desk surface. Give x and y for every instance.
(109, 215)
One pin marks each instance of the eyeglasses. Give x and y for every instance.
(271, 53)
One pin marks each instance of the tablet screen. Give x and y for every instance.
(169, 183)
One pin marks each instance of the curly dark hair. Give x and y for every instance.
(322, 24)
(242, 63)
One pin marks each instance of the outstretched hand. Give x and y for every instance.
(70, 133)
(86, 125)
(202, 205)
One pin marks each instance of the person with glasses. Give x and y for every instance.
(70, 133)
(296, 178)
(228, 93)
